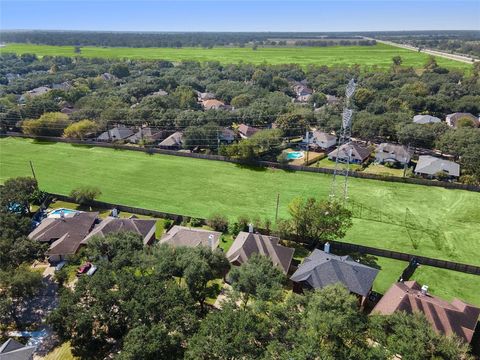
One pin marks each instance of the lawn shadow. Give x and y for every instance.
(87, 146)
(43, 142)
(251, 167)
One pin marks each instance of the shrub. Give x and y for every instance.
(218, 222)
(282, 158)
(196, 222)
(85, 194)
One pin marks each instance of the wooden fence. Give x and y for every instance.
(336, 245)
(268, 164)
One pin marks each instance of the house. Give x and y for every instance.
(107, 77)
(456, 317)
(145, 134)
(226, 135)
(247, 243)
(159, 93)
(425, 119)
(321, 269)
(144, 227)
(173, 142)
(202, 96)
(358, 153)
(117, 133)
(302, 91)
(429, 166)
(321, 139)
(452, 119)
(392, 153)
(246, 131)
(333, 100)
(62, 86)
(64, 234)
(213, 104)
(192, 237)
(41, 90)
(13, 350)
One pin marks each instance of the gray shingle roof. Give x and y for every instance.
(358, 152)
(13, 350)
(246, 244)
(320, 269)
(144, 227)
(117, 133)
(431, 165)
(173, 140)
(392, 152)
(425, 119)
(185, 236)
(65, 234)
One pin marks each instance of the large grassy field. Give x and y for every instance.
(202, 187)
(379, 55)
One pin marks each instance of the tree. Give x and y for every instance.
(257, 278)
(412, 337)
(17, 194)
(119, 249)
(152, 343)
(292, 124)
(397, 60)
(218, 222)
(431, 63)
(363, 97)
(465, 122)
(85, 194)
(317, 221)
(49, 124)
(120, 70)
(318, 99)
(80, 129)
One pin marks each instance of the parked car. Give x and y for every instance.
(60, 265)
(92, 270)
(84, 268)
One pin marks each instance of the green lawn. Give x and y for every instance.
(200, 188)
(329, 164)
(62, 352)
(446, 284)
(379, 55)
(383, 170)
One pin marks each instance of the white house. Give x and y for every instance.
(425, 119)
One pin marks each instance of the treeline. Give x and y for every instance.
(324, 43)
(150, 39)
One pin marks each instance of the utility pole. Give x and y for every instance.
(33, 170)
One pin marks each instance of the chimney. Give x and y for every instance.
(250, 228)
(326, 247)
(424, 289)
(211, 237)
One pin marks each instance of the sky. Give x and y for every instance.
(240, 15)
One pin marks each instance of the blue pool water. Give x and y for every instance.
(295, 155)
(65, 211)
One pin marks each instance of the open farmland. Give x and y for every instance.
(200, 188)
(379, 55)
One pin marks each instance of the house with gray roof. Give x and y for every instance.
(173, 142)
(321, 269)
(429, 166)
(392, 153)
(425, 119)
(13, 350)
(117, 133)
(64, 234)
(226, 135)
(248, 243)
(358, 153)
(192, 237)
(143, 227)
(320, 139)
(452, 119)
(146, 134)
(41, 90)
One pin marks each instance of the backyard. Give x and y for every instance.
(379, 55)
(200, 188)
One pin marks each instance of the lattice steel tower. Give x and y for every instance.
(339, 191)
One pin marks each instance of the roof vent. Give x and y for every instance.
(326, 247)
(424, 289)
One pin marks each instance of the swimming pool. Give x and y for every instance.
(295, 155)
(66, 212)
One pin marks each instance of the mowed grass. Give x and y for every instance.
(200, 188)
(379, 55)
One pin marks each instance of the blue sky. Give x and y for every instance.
(231, 15)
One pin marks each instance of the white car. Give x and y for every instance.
(92, 270)
(60, 265)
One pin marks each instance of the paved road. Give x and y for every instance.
(461, 58)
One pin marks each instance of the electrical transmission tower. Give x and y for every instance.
(339, 191)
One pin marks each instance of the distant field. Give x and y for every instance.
(379, 55)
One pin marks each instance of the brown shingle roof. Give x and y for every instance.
(185, 236)
(246, 244)
(247, 130)
(143, 227)
(447, 318)
(212, 104)
(65, 235)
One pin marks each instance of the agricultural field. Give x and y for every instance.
(200, 188)
(379, 55)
